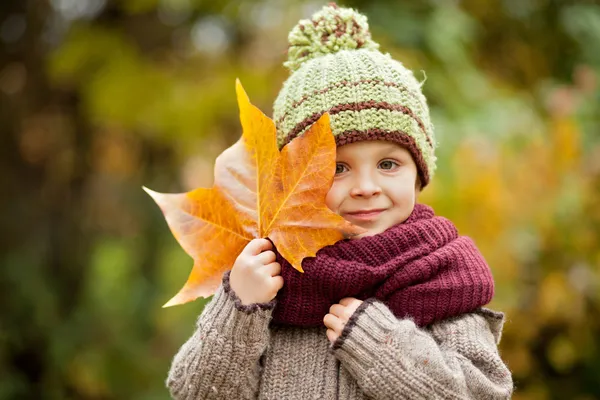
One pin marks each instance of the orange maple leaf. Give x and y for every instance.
(258, 192)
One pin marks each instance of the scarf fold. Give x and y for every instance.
(422, 269)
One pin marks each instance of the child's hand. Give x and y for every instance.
(255, 276)
(338, 316)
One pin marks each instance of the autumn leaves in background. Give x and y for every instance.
(258, 192)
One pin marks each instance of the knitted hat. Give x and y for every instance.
(337, 68)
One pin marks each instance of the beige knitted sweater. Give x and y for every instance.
(234, 354)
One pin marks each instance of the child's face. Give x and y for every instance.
(375, 185)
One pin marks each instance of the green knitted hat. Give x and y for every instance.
(337, 68)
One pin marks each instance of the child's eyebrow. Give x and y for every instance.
(391, 150)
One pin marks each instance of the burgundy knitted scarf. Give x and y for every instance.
(421, 269)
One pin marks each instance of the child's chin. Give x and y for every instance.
(369, 232)
(374, 230)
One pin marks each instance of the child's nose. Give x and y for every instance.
(365, 186)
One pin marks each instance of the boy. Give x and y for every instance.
(395, 313)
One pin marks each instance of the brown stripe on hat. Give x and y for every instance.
(359, 106)
(336, 85)
(399, 137)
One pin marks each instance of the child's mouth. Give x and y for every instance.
(364, 215)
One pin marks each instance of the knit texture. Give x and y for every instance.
(233, 354)
(422, 269)
(337, 68)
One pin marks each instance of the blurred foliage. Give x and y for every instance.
(100, 97)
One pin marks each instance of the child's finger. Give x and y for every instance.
(273, 269)
(334, 323)
(266, 257)
(257, 246)
(278, 281)
(347, 300)
(332, 336)
(338, 310)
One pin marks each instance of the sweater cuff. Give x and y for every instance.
(247, 308)
(232, 319)
(367, 332)
(372, 318)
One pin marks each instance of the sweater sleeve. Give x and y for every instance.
(452, 359)
(222, 358)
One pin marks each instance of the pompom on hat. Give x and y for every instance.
(336, 67)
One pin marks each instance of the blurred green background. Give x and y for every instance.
(100, 97)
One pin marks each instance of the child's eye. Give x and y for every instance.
(388, 164)
(340, 168)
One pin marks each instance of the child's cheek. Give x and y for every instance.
(332, 199)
